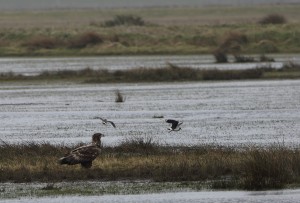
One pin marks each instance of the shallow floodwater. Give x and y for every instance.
(282, 196)
(226, 113)
(34, 66)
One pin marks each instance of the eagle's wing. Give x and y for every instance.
(84, 154)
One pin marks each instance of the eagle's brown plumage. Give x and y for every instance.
(84, 155)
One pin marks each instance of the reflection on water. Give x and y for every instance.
(33, 66)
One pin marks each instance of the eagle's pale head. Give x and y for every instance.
(96, 139)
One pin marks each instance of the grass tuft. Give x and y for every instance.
(268, 168)
(119, 97)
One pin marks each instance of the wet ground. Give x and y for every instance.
(226, 113)
(234, 113)
(283, 196)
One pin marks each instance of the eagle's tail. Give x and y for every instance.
(63, 160)
(66, 160)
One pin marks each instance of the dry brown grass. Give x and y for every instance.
(43, 42)
(246, 168)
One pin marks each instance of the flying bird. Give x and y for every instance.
(84, 155)
(105, 121)
(175, 125)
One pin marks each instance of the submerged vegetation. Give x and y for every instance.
(170, 73)
(144, 159)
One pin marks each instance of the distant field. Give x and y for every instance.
(176, 30)
(162, 16)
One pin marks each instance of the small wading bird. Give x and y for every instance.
(175, 125)
(84, 155)
(105, 121)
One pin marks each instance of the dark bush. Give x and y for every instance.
(124, 20)
(273, 19)
(85, 39)
(232, 39)
(231, 44)
(232, 74)
(220, 56)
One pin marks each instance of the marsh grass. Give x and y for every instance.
(270, 168)
(170, 73)
(143, 159)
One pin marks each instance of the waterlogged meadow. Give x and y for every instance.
(235, 135)
(225, 113)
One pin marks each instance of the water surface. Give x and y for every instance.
(227, 113)
(280, 196)
(34, 66)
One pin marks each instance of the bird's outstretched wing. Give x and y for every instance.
(112, 123)
(173, 122)
(97, 117)
(103, 119)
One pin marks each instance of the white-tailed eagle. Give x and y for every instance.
(84, 155)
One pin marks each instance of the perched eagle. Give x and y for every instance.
(84, 155)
